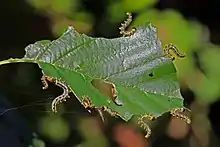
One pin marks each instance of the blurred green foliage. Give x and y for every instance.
(64, 13)
(116, 10)
(208, 89)
(36, 142)
(93, 136)
(54, 127)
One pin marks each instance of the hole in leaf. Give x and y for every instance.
(151, 74)
(108, 89)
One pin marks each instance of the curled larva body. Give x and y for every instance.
(60, 98)
(171, 47)
(125, 25)
(146, 127)
(182, 113)
(44, 80)
(142, 121)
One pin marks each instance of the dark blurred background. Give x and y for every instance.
(192, 25)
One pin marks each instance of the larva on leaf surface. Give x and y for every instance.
(170, 47)
(87, 103)
(125, 25)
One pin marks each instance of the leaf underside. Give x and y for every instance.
(145, 79)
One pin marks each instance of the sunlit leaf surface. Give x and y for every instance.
(145, 79)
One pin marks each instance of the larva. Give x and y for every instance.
(87, 103)
(105, 109)
(110, 111)
(170, 47)
(60, 98)
(142, 121)
(108, 89)
(182, 113)
(125, 25)
(101, 115)
(44, 80)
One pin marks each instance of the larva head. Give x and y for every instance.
(86, 102)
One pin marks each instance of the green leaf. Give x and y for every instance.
(132, 6)
(145, 79)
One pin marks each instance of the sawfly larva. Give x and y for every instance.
(87, 103)
(61, 98)
(182, 113)
(170, 47)
(125, 25)
(142, 121)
